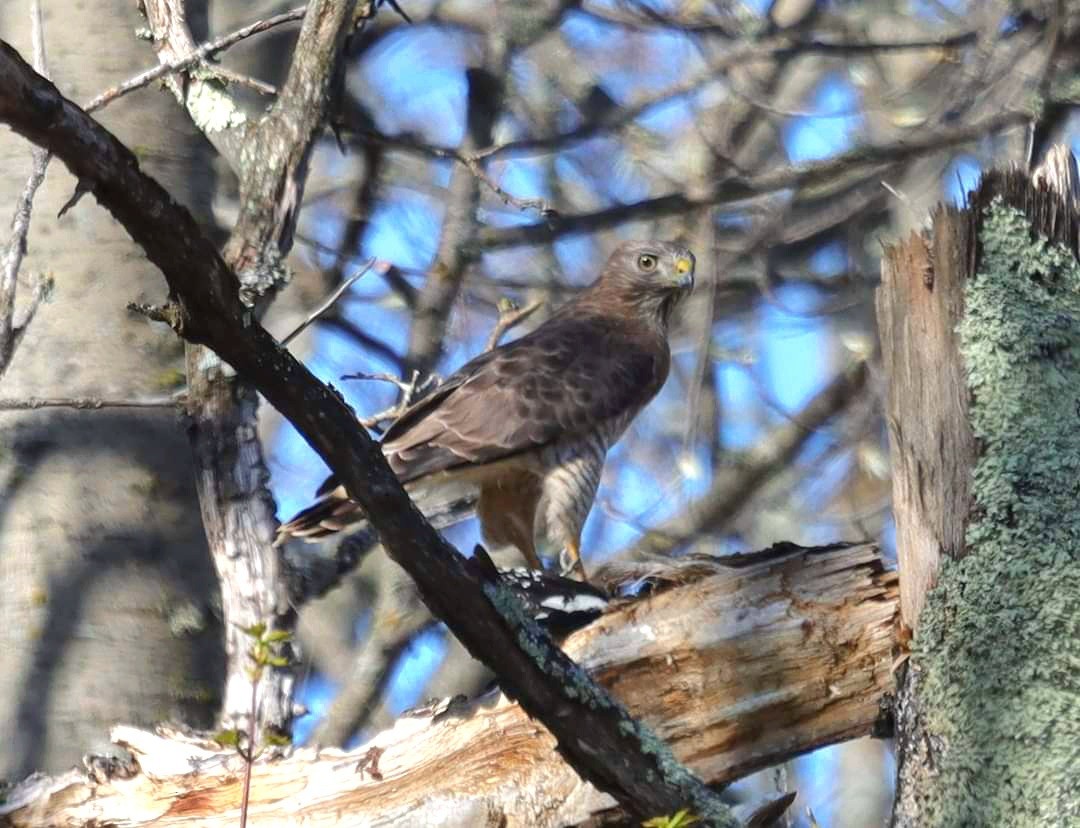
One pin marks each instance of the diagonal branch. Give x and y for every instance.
(194, 57)
(594, 732)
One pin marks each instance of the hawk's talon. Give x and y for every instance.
(570, 565)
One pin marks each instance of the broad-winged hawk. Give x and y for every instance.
(528, 425)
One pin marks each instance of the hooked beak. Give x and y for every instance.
(684, 269)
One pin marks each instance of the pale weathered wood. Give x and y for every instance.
(919, 304)
(980, 331)
(740, 663)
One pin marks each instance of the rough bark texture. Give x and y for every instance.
(920, 303)
(987, 480)
(108, 601)
(238, 515)
(741, 663)
(270, 156)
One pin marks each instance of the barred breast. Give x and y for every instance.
(574, 465)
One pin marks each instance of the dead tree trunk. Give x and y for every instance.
(980, 329)
(738, 663)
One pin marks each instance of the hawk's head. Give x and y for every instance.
(651, 276)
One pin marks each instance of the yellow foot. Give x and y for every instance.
(570, 564)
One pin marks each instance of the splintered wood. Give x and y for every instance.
(738, 663)
(919, 304)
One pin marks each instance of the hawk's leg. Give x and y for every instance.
(570, 565)
(507, 513)
(569, 491)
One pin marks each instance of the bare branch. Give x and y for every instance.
(194, 57)
(510, 316)
(822, 177)
(732, 488)
(398, 615)
(11, 332)
(89, 403)
(329, 301)
(362, 338)
(230, 76)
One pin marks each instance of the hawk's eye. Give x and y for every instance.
(647, 262)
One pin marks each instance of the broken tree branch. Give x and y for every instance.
(739, 662)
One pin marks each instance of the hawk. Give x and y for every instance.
(526, 426)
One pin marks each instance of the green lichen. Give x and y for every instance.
(999, 641)
(575, 682)
(211, 108)
(189, 691)
(186, 619)
(1065, 87)
(168, 379)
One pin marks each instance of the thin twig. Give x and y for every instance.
(414, 388)
(240, 79)
(10, 332)
(509, 317)
(813, 180)
(411, 391)
(88, 403)
(473, 161)
(195, 57)
(249, 756)
(405, 388)
(335, 294)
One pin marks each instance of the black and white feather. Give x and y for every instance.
(560, 604)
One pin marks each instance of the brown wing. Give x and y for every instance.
(567, 377)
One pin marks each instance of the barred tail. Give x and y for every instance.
(445, 501)
(331, 513)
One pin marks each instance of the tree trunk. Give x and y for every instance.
(980, 328)
(109, 604)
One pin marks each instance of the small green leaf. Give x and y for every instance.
(276, 738)
(277, 636)
(228, 738)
